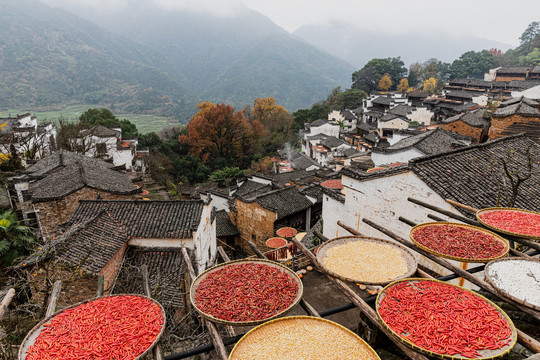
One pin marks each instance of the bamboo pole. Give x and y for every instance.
(156, 351)
(349, 229)
(360, 303)
(212, 330)
(463, 206)
(6, 301)
(223, 254)
(53, 300)
(524, 338)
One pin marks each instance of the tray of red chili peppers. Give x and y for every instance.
(459, 242)
(245, 292)
(286, 232)
(108, 327)
(511, 221)
(444, 320)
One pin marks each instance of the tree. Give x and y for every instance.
(403, 85)
(472, 64)
(106, 118)
(430, 85)
(385, 83)
(15, 238)
(528, 36)
(224, 177)
(217, 131)
(271, 125)
(302, 116)
(367, 78)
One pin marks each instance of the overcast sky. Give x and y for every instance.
(498, 20)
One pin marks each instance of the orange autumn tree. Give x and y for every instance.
(217, 131)
(385, 83)
(403, 85)
(274, 121)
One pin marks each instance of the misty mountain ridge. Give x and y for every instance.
(358, 46)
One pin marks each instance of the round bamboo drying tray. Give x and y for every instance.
(405, 253)
(36, 330)
(201, 277)
(502, 231)
(269, 243)
(505, 294)
(280, 232)
(304, 324)
(484, 354)
(462, 259)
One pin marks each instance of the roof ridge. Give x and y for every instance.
(136, 200)
(467, 148)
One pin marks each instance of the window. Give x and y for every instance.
(101, 148)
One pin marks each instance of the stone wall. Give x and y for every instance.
(499, 125)
(55, 212)
(462, 128)
(255, 223)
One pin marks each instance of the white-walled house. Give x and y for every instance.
(423, 144)
(31, 141)
(103, 142)
(322, 127)
(469, 175)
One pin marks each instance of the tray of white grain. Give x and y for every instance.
(301, 337)
(517, 279)
(366, 260)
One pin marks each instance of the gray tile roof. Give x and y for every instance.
(348, 115)
(520, 108)
(252, 188)
(318, 123)
(472, 118)
(301, 161)
(430, 142)
(519, 99)
(101, 131)
(460, 94)
(366, 127)
(472, 175)
(77, 175)
(513, 70)
(523, 84)
(382, 100)
(332, 142)
(166, 269)
(283, 202)
(374, 114)
(171, 219)
(62, 158)
(401, 110)
(390, 117)
(417, 94)
(536, 69)
(224, 226)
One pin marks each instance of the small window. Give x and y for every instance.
(101, 148)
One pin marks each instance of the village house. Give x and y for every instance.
(470, 175)
(29, 140)
(516, 116)
(509, 73)
(471, 123)
(423, 144)
(418, 114)
(468, 97)
(106, 143)
(111, 238)
(49, 191)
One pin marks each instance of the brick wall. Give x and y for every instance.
(498, 125)
(459, 127)
(110, 270)
(510, 78)
(253, 220)
(55, 212)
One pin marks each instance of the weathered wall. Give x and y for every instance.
(110, 270)
(498, 125)
(509, 78)
(55, 212)
(400, 156)
(254, 222)
(459, 127)
(204, 240)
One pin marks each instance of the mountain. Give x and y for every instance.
(232, 58)
(358, 46)
(49, 57)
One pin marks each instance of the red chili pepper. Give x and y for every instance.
(443, 318)
(515, 221)
(247, 292)
(114, 327)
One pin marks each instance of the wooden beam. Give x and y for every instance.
(310, 310)
(480, 283)
(223, 254)
(100, 285)
(212, 330)
(463, 206)
(360, 303)
(256, 249)
(349, 229)
(6, 301)
(445, 212)
(156, 351)
(53, 300)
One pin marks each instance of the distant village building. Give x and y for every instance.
(29, 140)
(426, 143)
(471, 123)
(509, 73)
(515, 116)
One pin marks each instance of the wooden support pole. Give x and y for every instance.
(100, 285)
(480, 283)
(463, 206)
(320, 236)
(212, 330)
(53, 300)
(436, 218)
(6, 301)
(256, 249)
(349, 229)
(156, 351)
(360, 303)
(223, 254)
(424, 274)
(444, 212)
